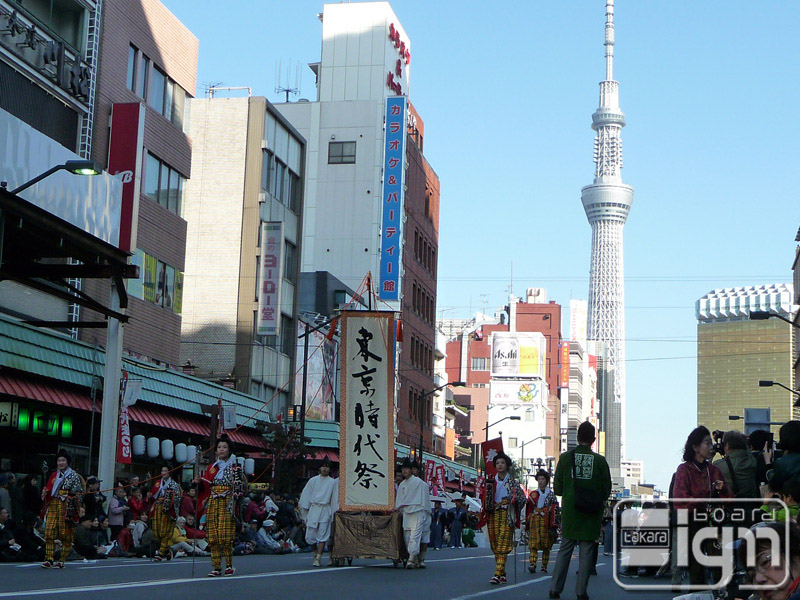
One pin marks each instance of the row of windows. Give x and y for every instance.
(281, 182)
(163, 184)
(284, 343)
(153, 85)
(480, 364)
(424, 252)
(341, 153)
(158, 282)
(420, 407)
(421, 355)
(423, 303)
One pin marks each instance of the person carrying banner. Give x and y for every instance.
(61, 509)
(318, 502)
(541, 516)
(503, 500)
(166, 499)
(413, 500)
(220, 491)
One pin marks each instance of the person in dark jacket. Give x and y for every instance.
(31, 498)
(580, 474)
(787, 466)
(738, 466)
(438, 522)
(457, 520)
(759, 447)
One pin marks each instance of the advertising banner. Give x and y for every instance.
(321, 375)
(564, 364)
(125, 148)
(394, 152)
(505, 392)
(517, 354)
(366, 442)
(271, 275)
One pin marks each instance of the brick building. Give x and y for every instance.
(148, 57)
(469, 358)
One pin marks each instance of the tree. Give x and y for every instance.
(288, 452)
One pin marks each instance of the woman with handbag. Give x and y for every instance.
(583, 479)
(696, 478)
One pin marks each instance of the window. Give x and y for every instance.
(132, 68)
(65, 18)
(512, 442)
(290, 262)
(480, 364)
(280, 181)
(144, 77)
(341, 153)
(295, 193)
(267, 166)
(158, 90)
(288, 336)
(529, 415)
(163, 184)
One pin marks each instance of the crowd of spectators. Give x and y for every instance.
(270, 523)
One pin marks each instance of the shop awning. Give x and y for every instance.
(42, 391)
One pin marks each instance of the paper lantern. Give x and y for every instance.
(167, 449)
(153, 445)
(191, 454)
(180, 453)
(249, 466)
(138, 444)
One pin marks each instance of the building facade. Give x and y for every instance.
(364, 62)
(734, 353)
(244, 214)
(147, 67)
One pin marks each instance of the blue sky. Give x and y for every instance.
(710, 91)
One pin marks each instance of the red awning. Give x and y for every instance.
(43, 392)
(35, 389)
(321, 453)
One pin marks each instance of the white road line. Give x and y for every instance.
(438, 560)
(142, 563)
(503, 588)
(162, 582)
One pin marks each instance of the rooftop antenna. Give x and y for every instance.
(484, 302)
(210, 87)
(511, 283)
(291, 85)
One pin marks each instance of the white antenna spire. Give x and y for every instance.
(609, 43)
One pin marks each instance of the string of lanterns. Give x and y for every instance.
(182, 453)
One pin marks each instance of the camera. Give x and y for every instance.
(718, 445)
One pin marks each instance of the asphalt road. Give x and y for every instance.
(460, 574)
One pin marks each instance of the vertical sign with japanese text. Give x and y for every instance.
(564, 364)
(125, 154)
(366, 442)
(271, 275)
(393, 197)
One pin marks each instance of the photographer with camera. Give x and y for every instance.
(759, 444)
(697, 478)
(737, 465)
(787, 466)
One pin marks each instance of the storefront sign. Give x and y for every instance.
(395, 76)
(269, 297)
(504, 392)
(564, 364)
(366, 446)
(393, 198)
(9, 414)
(125, 148)
(517, 354)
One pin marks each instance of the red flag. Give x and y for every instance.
(429, 470)
(440, 477)
(489, 450)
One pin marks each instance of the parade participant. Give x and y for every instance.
(414, 502)
(165, 499)
(541, 512)
(458, 518)
(438, 522)
(61, 509)
(318, 502)
(221, 489)
(502, 501)
(425, 540)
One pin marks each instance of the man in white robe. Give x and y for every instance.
(318, 502)
(413, 500)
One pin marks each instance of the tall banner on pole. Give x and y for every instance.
(366, 441)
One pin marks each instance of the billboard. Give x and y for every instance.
(125, 148)
(366, 442)
(270, 277)
(394, 157)
(320, 377)
(518, 354)
(505, 392)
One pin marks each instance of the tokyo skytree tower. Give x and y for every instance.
(607, 203)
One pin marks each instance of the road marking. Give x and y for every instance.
(138, 563)
(162, 582)
(438, 560)
(503, 588)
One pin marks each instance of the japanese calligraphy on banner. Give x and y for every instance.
(271, 275)
(366, 442)
(564, 364)
(430, 467)
(440, 477)
(394, 151)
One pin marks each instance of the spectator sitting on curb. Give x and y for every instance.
(243, 543)
(189, 502)
(85, 544)
(192, 532)
(267, 541)
(180, 543)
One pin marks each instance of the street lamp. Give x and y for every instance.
(763, 315)
(453, 384)
(76, 167)
(510, 418)
(522, 457)
(768, 383)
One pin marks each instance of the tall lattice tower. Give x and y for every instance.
(607, 203)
